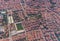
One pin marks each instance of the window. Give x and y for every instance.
(22, 1)
(6, 0)
(33, 0)
(13, 0)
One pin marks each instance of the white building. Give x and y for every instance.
(10, 19)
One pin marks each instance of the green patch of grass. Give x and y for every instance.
(39, 16)
(19, 26)
(5, 19)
